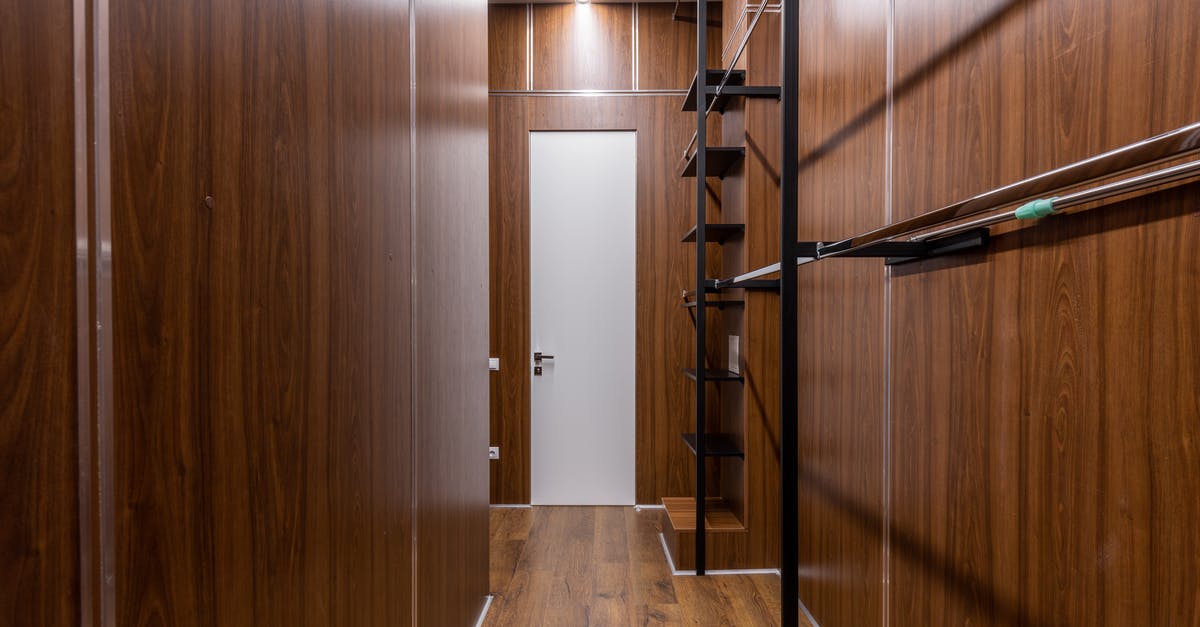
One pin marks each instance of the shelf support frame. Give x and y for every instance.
(789, 518)
(701, 278)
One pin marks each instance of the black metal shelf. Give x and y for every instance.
(735, 87)
(714, 375)
(719, 159)
(690, 17)
(769, 285)
(719, 304)
(715, 445)
(717, 233)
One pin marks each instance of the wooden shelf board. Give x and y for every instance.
(681, 512)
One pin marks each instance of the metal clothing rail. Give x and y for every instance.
(1147, 152)
(882, 242)
(1048, 206)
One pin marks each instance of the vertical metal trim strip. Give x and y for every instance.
(414, 405)
(888, 163)
(102, 202)
(635, 43)
(529, 47)
(83, 308)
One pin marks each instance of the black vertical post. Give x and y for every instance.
(701, 295)
(789, 566)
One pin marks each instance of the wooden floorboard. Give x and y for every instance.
(576, 566)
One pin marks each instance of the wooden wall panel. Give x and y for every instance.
(666, 49)
(508, 180)
(262, 271)
(263, 260)
(1037, 443)
(842, 322)
(582, 46)
(450, 341)
(39, 515)
(508, 46)
(160, 227)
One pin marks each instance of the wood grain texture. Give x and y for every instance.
(1040, 421)
(666, 49)
(605, 566)
(583, 46)
(264, 453)
(39, 511)
(842, 320)
(450, 342)
(161, 175)
(508, 231)
(508, 46)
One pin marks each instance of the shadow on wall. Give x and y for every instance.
(902, 87)
(967, 586)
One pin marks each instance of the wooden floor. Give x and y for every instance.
(575, 566)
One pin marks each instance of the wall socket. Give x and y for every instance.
(493, 452)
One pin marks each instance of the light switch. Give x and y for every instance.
(493, 363)
(493, 452)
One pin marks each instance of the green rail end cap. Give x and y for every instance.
(1035, 209)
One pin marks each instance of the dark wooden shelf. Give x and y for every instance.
(715, 445)
(714, 375)
(686, 12)
(720, 160)
(717, 233)
(718, 517)
(735, 87)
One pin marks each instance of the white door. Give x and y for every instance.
(582, 227)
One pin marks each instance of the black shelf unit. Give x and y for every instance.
(709, 161)
(716, 445)
(717, 233)
(718, 161)
(735, 87)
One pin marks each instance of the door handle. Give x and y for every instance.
(539, 356)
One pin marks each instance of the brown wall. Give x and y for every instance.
(665, 208)
(39, 502)
(1002, 437)
(259, 444)
(450, 304)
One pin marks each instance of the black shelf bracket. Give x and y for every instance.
(718, 160)
(716, 376)
(717, 233)
(716, 445)
(718, 97)
(894, 253)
